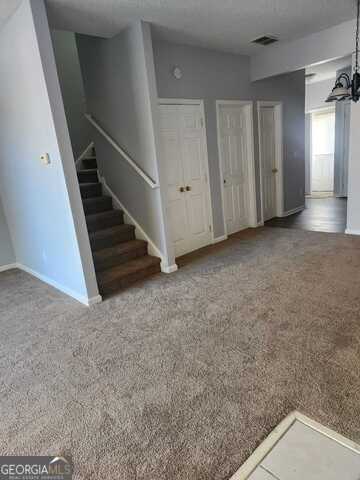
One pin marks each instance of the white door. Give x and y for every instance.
(184, 160)
(323, 142)
(268, 161)
(234, 164)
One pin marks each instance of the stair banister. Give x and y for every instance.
(129, 160)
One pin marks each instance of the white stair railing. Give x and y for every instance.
(126, 157)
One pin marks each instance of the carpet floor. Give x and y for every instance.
(183, 376)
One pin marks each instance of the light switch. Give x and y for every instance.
(45, 159)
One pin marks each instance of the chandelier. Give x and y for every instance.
(346, 88)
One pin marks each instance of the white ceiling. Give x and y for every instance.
(325, 71)
(221, 24)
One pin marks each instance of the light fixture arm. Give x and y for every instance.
(346, 77)
(351, 89)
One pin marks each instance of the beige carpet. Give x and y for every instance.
(183, 376)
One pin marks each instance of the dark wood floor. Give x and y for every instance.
(320, 215)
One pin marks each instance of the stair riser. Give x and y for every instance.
(110, 241)
(129, 280)
(88, 177)
(103, 223)
(89, 163)
(90, 191)
(102, 205)
(119, 259)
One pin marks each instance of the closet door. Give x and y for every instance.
(183, 158)
(268, 161)
(234, 160)
(172, 163)
(195, 180)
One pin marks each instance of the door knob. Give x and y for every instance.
(224, 180)
(188, 188)
(181, 189)
(274, 170)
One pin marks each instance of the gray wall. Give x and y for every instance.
(72, 89)
(212, 75)
(316, 94)
(42, 203)
(7, 255)
(120, 88)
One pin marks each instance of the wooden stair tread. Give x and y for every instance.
(90, 190)
(112, 231)
(111, 236)
(121, 248)
(88, 176)
(88, 184)
(106, 214)
(89, 163)
(93, 200)
(126, 269)
(104, 220)
(99, 204)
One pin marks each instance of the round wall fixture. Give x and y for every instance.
(177, 73)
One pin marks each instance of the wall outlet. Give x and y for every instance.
(45, 159)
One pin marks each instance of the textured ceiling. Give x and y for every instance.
(222, 24)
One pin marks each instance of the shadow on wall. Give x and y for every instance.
(72, 89)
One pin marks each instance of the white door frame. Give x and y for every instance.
(279, 149)
(200, 102)
(248, 104)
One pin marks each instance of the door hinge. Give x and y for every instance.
(202, 122)
(210, 229)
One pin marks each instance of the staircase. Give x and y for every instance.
(119, 258)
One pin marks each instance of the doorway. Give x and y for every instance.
(322, 157)
(185, 163)
(237, 171)
(271, 159)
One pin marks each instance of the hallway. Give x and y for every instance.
(320, 215)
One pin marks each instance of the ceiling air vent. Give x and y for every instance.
(265, 40)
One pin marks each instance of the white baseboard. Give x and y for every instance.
(350, 231)
(169, 268)
(10, 266)
(83, 155)
(94, 300)
(292, 211)
(44, 278)
(220, 239)
(139, 231)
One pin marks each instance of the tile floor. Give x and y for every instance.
(304, 453)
